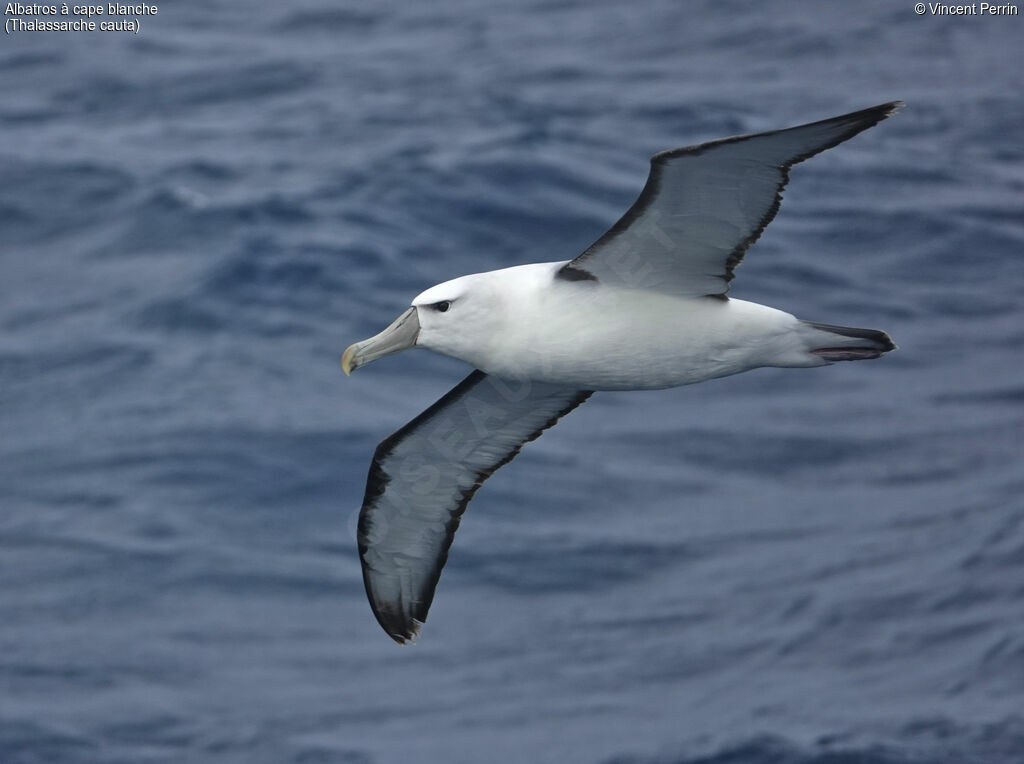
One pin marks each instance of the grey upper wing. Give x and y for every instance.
(424, 475)
(703, 206)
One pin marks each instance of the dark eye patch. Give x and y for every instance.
(442, 306)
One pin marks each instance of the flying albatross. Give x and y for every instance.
(643, 308)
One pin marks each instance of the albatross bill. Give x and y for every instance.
(400, 335)
(644, 307)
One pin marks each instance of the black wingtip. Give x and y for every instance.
(887, 109)
(874, 114)
(857, 122)
(893, 107)
(404, 630)
(871, 115)
(407, 636)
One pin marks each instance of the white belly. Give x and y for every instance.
(630, 340)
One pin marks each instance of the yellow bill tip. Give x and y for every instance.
(346, 360)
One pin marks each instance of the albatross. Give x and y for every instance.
(645, 307)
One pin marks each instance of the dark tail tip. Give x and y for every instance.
(869, 343)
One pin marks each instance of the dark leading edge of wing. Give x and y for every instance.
(424, 475)
(703, 206)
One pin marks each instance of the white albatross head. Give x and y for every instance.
(458, 318)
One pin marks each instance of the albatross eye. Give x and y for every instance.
(442, 306)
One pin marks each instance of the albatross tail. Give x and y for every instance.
(844, 343)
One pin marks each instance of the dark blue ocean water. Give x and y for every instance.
(783, 567)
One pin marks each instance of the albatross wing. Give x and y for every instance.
(703, 206)
(424, 475)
